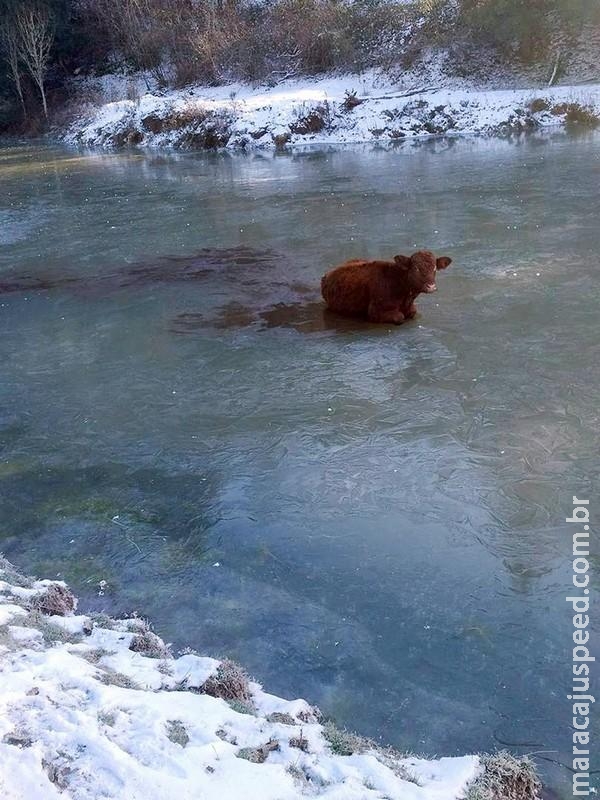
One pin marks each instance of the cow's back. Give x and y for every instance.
(345, 289)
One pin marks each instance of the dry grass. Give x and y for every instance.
(242, 707)
(351, 101)
(346, 743)
(282, 718)
(506, 777)
(94, 655)
(281, 140)
(229, 682)
(58, 771)
(101, 620)
(539, 104)
(112, 678)
(300, 742)
(150, 645)
(576, 114)
(258, 755)
(51, 632)
(313, 120)
(54, 600)
(343, 742)
(9, 574)
(17, 738)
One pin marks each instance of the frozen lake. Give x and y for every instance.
(370, 518)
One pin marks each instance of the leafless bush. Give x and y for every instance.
(216, 42)
(135, 28)
(313, 120)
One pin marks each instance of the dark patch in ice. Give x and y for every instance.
(302, 315)
(29, 283)
(261, 284)
(175, 269)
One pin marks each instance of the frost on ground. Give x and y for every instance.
(331, 110)
(98, 708)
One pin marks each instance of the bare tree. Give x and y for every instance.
(9, 36)
(35, 38)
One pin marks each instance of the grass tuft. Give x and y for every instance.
(242, 707)
(177, 733)
(351, 100)
(113, 678)
(54, 600)
(96, 653)
(505, 777)
(281, 717)
(229, 682)
(51, 632)
(539, 104)
(300, 742)
(258, 755)
(345, 743)
(150, 645)
(576, 114)
(9, 574)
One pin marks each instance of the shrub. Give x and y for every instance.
(313, 121)
(576, 114)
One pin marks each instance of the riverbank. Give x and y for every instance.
(98, 707)
(370, 107)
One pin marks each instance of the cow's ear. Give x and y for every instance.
(402, 261)
(442, 262)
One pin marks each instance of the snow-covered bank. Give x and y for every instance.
(99, 708)
(334, 110)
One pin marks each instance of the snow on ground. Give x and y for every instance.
(332, 110)
(93, 709)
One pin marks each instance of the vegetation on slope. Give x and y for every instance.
(45, 42)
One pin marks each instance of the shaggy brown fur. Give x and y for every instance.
(382, 291)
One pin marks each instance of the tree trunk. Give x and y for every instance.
(555, 70)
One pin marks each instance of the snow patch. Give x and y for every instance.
(340, 109)
(90, 718)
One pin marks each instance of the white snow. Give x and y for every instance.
(83, 717)
(266, 116)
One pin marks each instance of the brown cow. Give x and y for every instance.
(382, 291)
